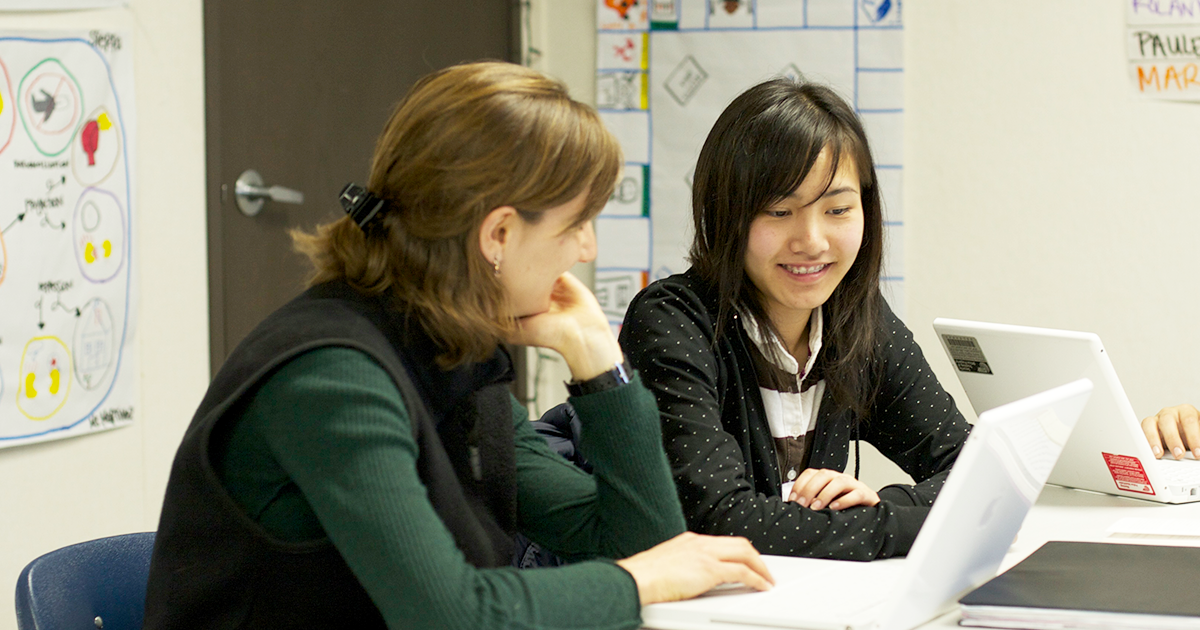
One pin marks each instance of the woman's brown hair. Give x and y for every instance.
(762, 146)
(462, 142)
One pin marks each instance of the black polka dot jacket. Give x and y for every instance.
(720, 448)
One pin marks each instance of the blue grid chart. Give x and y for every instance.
(666, 69)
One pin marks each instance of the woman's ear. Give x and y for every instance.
(496, 232)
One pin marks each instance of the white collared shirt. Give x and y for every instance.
(789, 414)
(791, 410)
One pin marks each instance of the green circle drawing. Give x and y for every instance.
(21, 108)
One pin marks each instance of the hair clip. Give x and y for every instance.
(360, 204)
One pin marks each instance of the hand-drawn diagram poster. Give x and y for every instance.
(66, 228)
(1163, 47)
(667, 68)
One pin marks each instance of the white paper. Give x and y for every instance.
(57, 5)
(1140, 527)
(881, 90)
(885, 129)
(1162, 44)
(66, 235)
(626, 243)
(615, 289)
(621, 51)
(1139, 12)
(621, 15)
(630, 197)
(632, 129)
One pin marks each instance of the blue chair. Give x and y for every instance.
(96, 584)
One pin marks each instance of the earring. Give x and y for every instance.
(496, 265)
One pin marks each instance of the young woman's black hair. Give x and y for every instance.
(758, 152)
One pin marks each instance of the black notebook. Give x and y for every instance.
(1092, 585)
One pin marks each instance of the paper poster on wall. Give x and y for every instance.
(667, 68)
(1162, 42)
(66, 235)
(58, 5)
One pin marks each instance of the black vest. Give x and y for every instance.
(213, 567)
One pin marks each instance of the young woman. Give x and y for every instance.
(776, 349)
(359, 462)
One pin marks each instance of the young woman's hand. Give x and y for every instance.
(1175, 430)
(575, 327)
(820, 487)
(690, 564)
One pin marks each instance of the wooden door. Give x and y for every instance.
(298, 90)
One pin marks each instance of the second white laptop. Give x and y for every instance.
(997, 477)
(998, 363)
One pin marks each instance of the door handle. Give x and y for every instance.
(251, 194)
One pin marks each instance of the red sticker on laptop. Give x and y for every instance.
(1128, 474)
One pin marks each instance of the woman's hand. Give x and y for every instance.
(575, 327)
(690, 564)
(820, 487)
(1175, 429)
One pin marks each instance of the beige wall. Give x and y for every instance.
(1042, 191)
(57, 493)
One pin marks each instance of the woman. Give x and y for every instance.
(776, 349)
(359, 462)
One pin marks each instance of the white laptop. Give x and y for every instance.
(996, 479)
(997, 363)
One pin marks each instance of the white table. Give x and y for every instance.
(1065, 514)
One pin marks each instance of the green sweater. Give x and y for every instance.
(325, 448)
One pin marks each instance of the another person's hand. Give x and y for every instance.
(820, 487)
(575, 327)
(690, 564)
(1174, 430)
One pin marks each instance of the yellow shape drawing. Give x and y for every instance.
(1, 103)
(40, 405)
(107, 248)
(103, 121)
(89, 253)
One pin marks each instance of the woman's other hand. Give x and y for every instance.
(820, 487)
(1175, 430)
(690, 564)
(575, 327)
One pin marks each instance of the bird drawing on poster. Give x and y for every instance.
(44, 106)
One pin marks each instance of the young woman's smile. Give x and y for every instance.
(807, 273)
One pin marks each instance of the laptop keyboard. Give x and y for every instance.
(835, 590)
(1182, 477)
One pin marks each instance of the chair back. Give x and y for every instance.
(99, 584)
